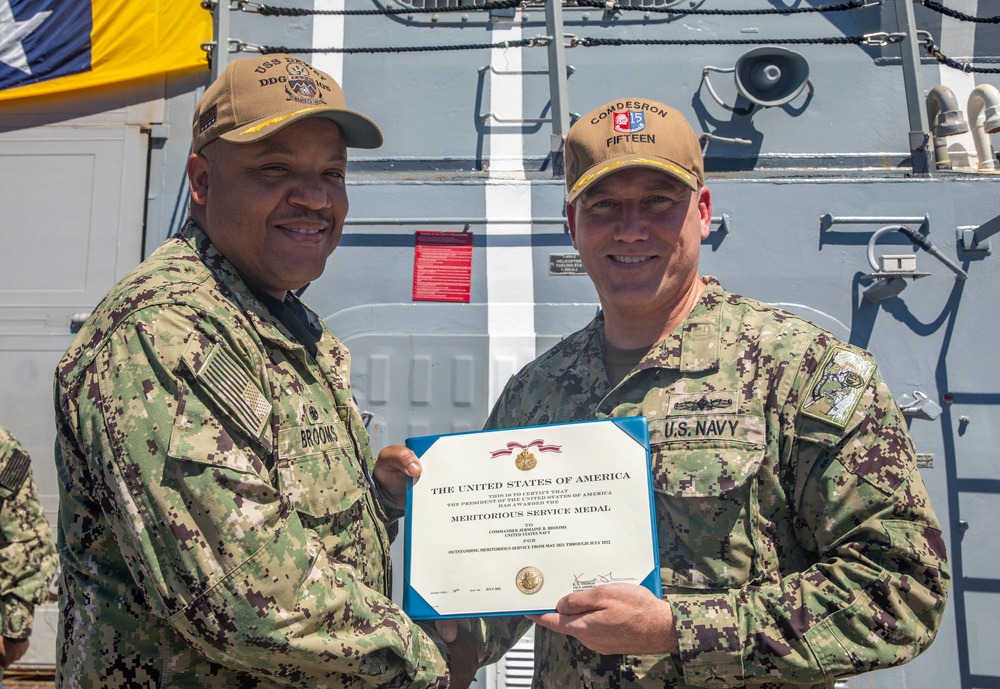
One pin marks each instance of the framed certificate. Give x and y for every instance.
(508, 521)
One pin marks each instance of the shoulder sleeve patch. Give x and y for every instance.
(13, 474)
(837, 386)
(229, 383)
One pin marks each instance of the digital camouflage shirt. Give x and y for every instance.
(217, 523)
(27, 554)
(797, 543)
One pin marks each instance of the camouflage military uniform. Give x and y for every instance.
(27, 555)
(797, 543)
(217, 520)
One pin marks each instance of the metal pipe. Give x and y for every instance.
(925, 244)
(456, 221)
(711, 90)
(874, 238)
(558, 89)
(724, 221)
(507, 120)
(944, 113)
(828, 220)
(506, 72)
(707, 138)
(220, 30)
(984, 119)
(946, 120)
(906, 24)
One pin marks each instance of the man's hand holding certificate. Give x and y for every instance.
(508, 521)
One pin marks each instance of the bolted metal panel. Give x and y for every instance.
(378, 379)
(421, 370)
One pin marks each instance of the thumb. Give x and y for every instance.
(447, 629)
(577, 603)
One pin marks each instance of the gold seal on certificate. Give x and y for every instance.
(529, 580)
(574, 500)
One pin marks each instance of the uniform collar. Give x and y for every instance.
(693, 347)
(579, 368)
(264, 321)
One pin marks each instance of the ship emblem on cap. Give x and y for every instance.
(300, 86)
(629, 121)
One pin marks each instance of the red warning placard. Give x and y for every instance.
(442, 266)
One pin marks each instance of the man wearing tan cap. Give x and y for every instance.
(218, 523)
(796, 540)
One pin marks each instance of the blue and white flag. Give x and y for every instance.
(42, 40)
(50, 46)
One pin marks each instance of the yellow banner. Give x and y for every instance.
(54, 46)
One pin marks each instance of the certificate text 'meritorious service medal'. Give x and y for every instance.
(508, 521)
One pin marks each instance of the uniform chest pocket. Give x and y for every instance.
(318, 470)
(706, 506)
(326, 485)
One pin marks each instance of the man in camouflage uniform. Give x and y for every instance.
(27, 555)
(797, 543)
(217, 519)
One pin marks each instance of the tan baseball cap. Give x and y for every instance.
(631, 132)
(255, 97)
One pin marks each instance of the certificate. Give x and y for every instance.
(508, 521)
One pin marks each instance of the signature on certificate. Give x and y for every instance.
(582, 581)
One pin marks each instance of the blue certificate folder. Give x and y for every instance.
(508, 521)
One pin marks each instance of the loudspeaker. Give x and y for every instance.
(771, 75)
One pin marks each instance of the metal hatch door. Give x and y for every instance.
(72, 202)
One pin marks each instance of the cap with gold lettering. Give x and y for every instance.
(628, 133)
(256, 97)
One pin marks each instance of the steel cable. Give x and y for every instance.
(829, 40)
(839, 7)
(522, 43)
(268, 11)
(933, 51)
(955, 14)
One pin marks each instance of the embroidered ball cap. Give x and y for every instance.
(629, 133)
(256, 97)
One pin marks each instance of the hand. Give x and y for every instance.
(394, 464)
(615, 619)
(464, 650)
(11, 651)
